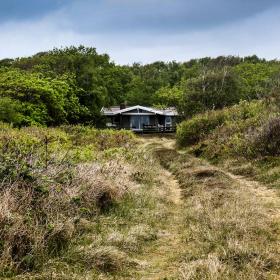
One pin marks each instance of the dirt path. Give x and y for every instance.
(268, 196)
(161, 260)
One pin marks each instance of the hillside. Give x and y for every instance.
(83, 202)
(88, 204)
(243, 138)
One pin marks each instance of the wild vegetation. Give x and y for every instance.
(243, 138)
(75, 202)
(71, 85)
(231, 225)
(80, 202)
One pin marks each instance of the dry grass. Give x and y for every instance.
(231, 231)
(36, 225)
(122, 216)
(93, 221)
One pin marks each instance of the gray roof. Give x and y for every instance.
(115, 110)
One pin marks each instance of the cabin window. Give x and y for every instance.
(168, 121)
(134, 122)
(145, 120)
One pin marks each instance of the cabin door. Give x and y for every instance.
(145, 120)
(135, 122)
(168, 121)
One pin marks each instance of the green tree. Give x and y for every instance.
(11, 111)
(44, 100)
(256, 77)
(169, 97)
(98, 81)
(212, 89)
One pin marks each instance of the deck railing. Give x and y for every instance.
(158, 129)
(148, 128)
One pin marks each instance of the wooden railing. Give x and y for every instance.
(149, 128)
(158, 129)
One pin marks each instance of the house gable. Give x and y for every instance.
(139, 110)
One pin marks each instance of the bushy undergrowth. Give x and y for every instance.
(245, 130)
(267, 139)
(192, 131)
(244, 137)
(236, 119)
(55, 185)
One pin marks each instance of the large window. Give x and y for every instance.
(168, 121)
(135, 122)
(145, 120)
(138, 122)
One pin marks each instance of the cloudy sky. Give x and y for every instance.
(142, 30)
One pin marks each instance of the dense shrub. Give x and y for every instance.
(192, 131)
(102, 139)
(221, 124)
(266, 141)
(231, 132)
(47, 185)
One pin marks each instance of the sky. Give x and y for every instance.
(142, 30)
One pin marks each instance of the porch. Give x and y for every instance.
(143, 123)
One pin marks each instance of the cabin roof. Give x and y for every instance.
(115, 110)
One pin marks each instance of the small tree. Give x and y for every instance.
(212, 89)
(10, 111)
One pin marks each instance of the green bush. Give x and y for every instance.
(266, 141)
(192, 131)
(221, 123)
(102, 139)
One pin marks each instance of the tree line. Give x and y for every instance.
(71, 85)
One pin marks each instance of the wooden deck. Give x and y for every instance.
(148, 129)
(158, 129)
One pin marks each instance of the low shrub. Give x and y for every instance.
(223, 123)
(192, 131)
(101, 139)
(50, 179)
(266, 141)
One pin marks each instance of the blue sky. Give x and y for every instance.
(142, 30)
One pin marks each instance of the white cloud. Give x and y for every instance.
(257, 35)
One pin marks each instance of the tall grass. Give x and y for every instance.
(230, 230)
(65, 194)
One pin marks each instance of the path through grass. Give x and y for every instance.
(219, 226)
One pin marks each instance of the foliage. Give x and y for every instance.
(70, 85)
(192, 131)
(168, 97)
(40, 100)
(10, 111)
(256, 78)
(246, 141)
(212, 89)
(221, 132)
(266, 141)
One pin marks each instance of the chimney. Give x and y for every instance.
(123, 105)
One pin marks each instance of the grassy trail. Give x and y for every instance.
(161, 259)
(218, 225)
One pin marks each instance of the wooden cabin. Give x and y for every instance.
(140, 118)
